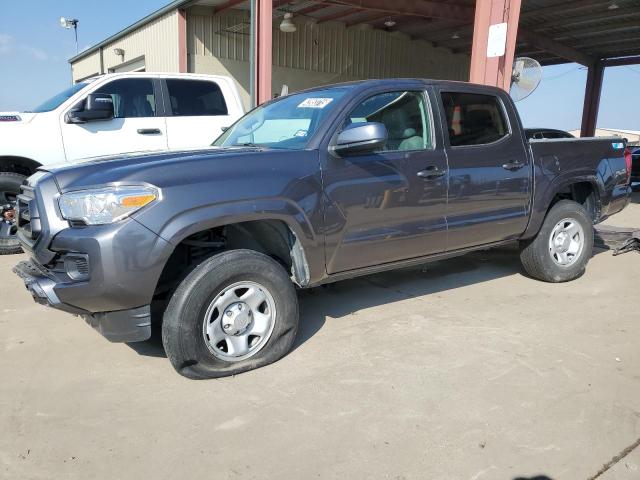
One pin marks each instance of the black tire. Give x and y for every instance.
(9, 187)
(182, 327)
(535, 254)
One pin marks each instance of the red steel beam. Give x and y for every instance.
(494, 71)
(182, 41)
(592, 100)
(311, 9)
(228, 5)
(547, 44)
(619, 62)
(262, 48)
(338, 15)
(416, 8)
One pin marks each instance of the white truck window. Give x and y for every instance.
(132, 97)
(191, 98)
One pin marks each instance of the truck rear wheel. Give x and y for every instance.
(234, 312)
(563, 246)
(9, 189)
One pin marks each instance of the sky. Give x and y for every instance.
(34, 50)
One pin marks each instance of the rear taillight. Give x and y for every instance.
(627, 161)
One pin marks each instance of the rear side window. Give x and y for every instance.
(474, 119)
(192, 98)
(132, 97)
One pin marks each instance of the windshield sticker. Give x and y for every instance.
(617, 146)
(300, 133)
(315, 102)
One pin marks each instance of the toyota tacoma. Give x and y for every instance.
(330, 183)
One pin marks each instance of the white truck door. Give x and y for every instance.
(199, 109)
(134, 128)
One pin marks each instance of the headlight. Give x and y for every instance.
(106, 205)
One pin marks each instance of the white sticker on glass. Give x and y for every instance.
(315, 102)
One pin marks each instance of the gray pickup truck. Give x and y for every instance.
(318, 186)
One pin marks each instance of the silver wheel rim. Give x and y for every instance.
(566, 242)
(239, 321)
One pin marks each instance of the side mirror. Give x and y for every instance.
(360, 138)
(97, 106)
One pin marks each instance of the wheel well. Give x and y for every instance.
(583, 193)
(271, 237)
(22, 165)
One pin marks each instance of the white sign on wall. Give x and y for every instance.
(497, 41)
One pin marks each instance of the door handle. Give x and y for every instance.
(431, 172)
(513, 165)
(149, 131)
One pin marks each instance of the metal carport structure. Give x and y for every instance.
(594, 33)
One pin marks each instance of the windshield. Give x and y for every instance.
(287, 123)
(57, 100)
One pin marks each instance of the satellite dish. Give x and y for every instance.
(64, 23)
(525, 77)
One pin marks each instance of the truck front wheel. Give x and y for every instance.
(9, 189)
(234, 312)
(563, 246)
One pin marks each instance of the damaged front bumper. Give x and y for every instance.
(132, 325)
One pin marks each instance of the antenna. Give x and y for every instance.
(525, 77)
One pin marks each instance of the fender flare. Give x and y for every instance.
(307, 253)
(542, 200)
(17, 164)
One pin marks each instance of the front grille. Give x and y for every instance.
(27, 218)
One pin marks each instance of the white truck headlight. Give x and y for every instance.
(106, 205)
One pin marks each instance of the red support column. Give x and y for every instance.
(262, 48)
(493, 70)
(182, 41)
(592, 100)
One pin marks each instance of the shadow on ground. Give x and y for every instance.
(343, 298)
(346, 297)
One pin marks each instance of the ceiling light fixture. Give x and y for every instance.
(287, 25)
(389, 23)
(613, 6)
(455, 36)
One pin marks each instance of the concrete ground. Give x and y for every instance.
(465, 369)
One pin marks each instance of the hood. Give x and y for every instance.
(132, 167)
(12, 118)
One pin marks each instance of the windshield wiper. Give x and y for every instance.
(247, 144)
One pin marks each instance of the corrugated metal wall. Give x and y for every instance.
(88, 66)
(327, 48)
(156, 41)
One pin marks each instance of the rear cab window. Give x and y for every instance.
(474, 119)
(193, 98)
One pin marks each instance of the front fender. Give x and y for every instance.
(184, 224)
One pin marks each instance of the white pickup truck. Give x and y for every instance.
(111, 114)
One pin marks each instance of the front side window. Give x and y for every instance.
(474, 119)
(132, 97)
(288, 122)
(192, 98)
(404, 114)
